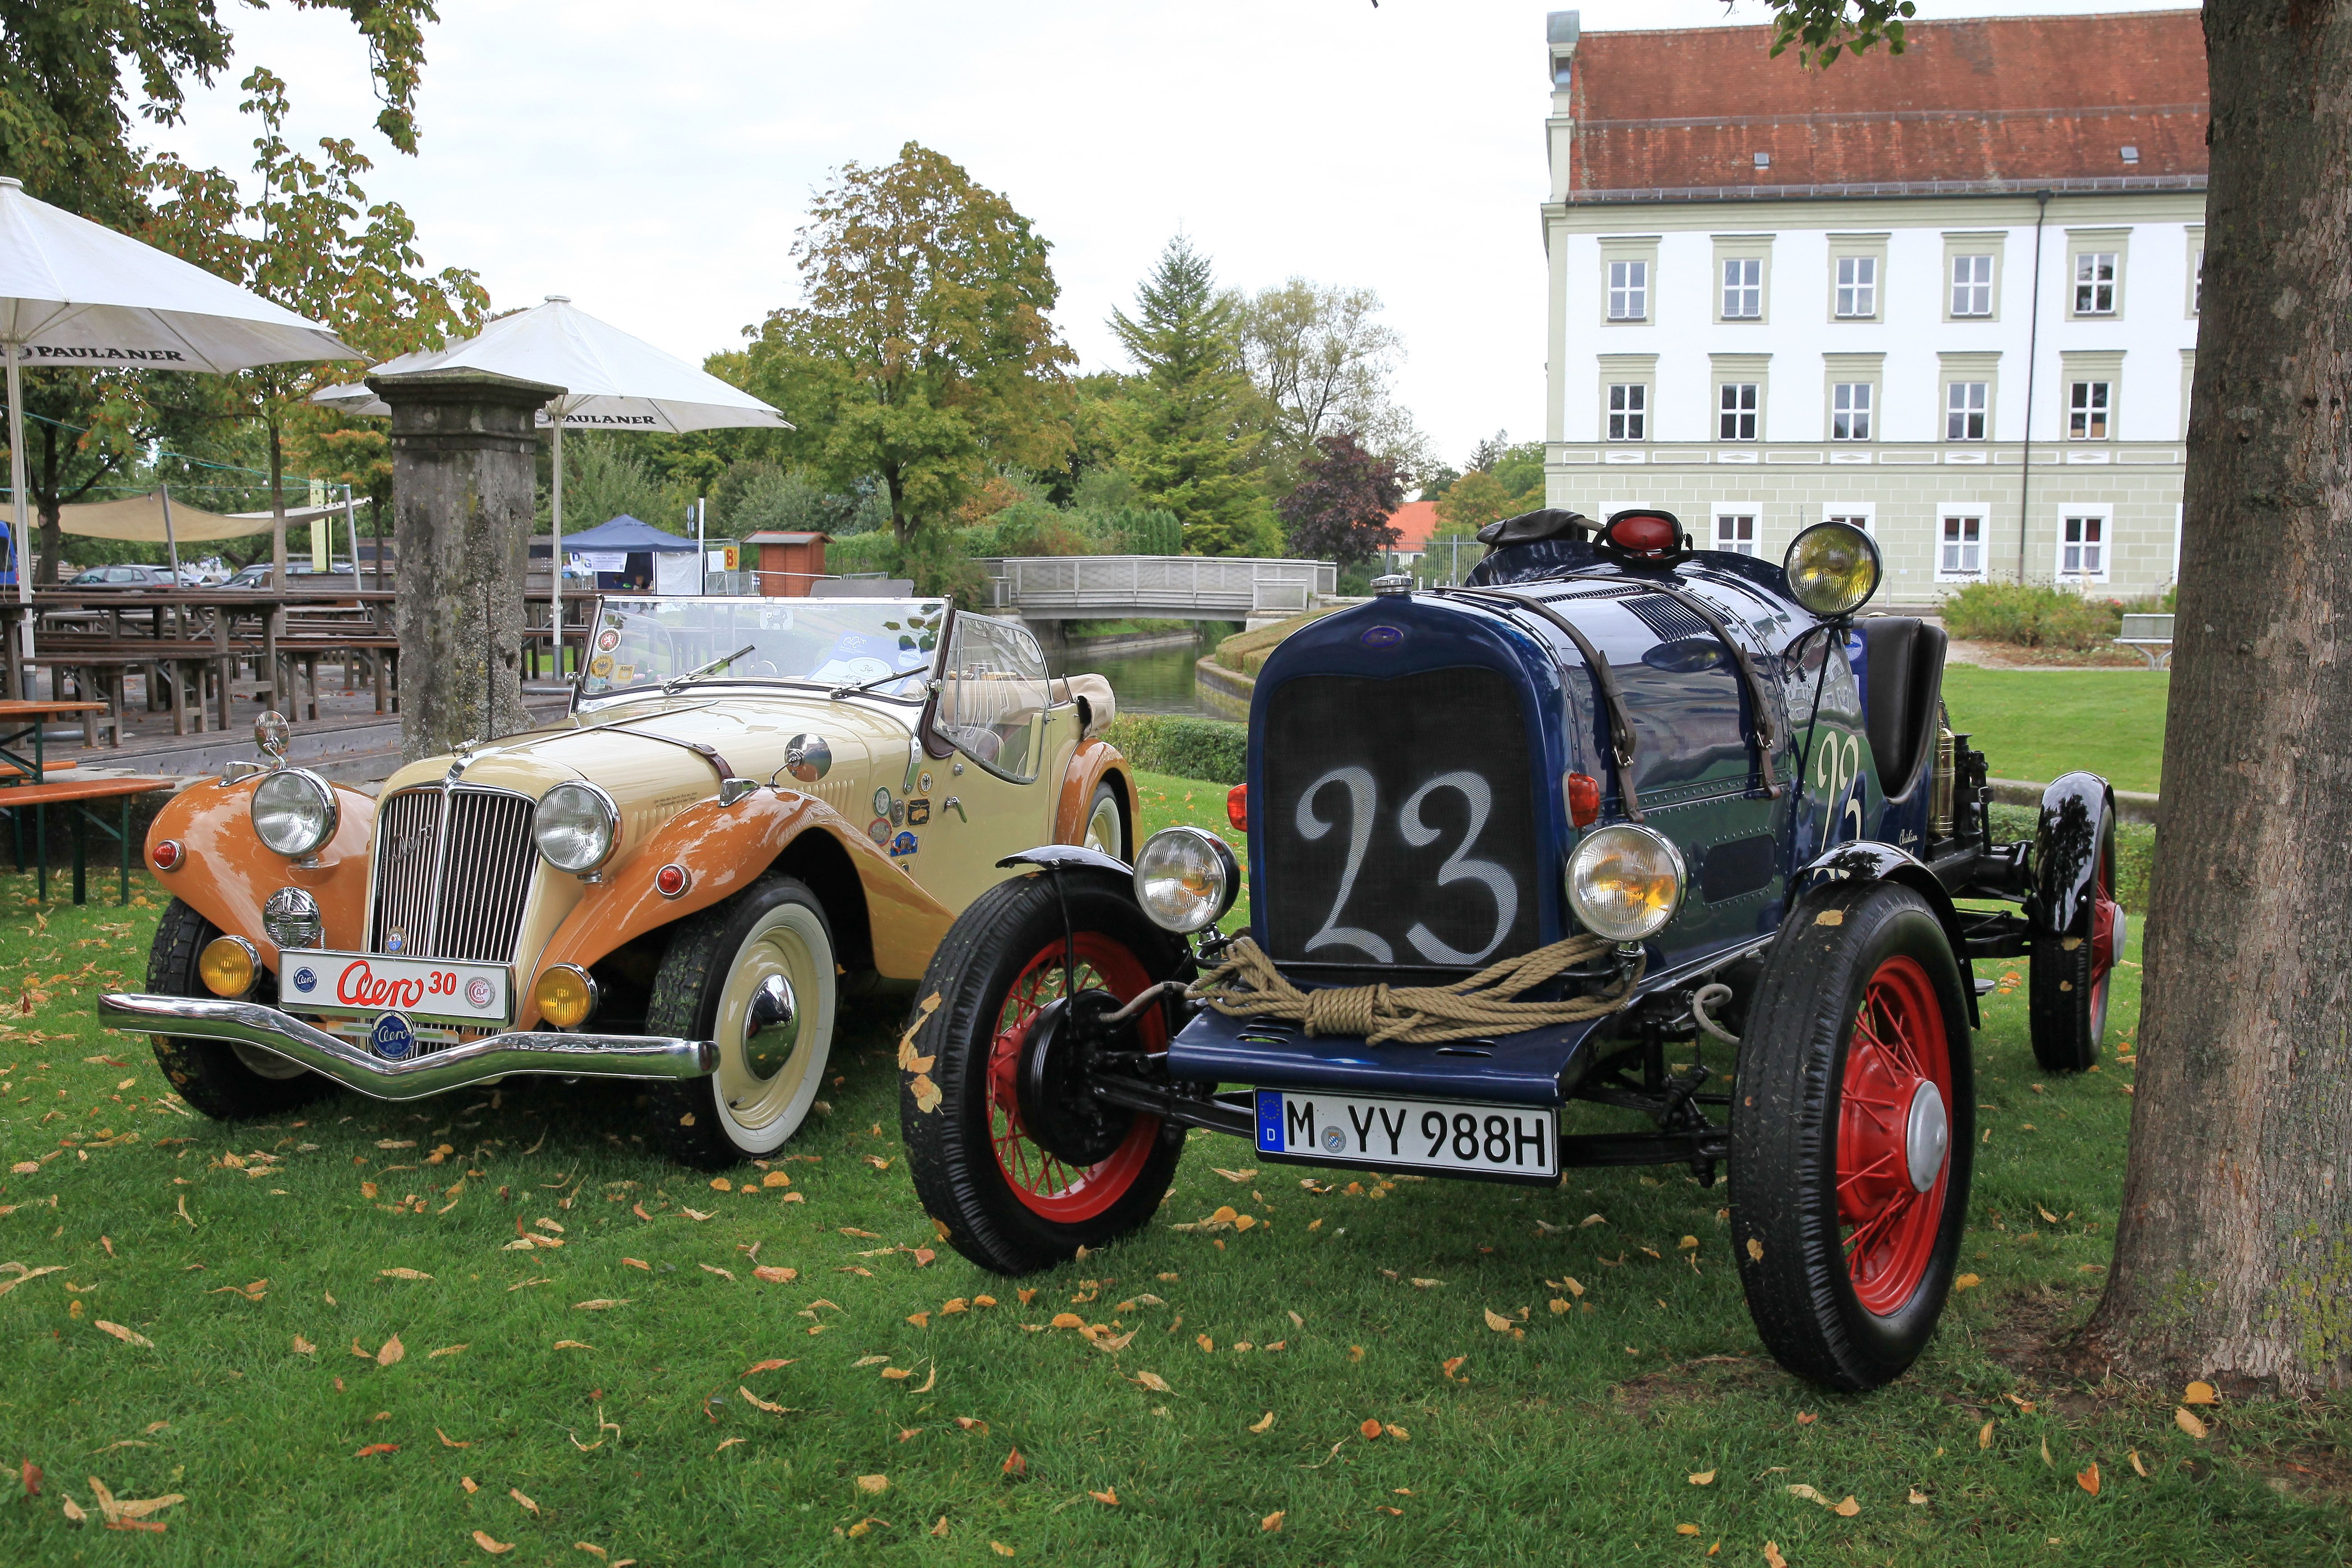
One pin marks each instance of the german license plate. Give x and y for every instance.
(310, 981)
(1434, 1134)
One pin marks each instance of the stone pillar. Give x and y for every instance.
(463, 471)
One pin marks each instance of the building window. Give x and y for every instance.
(1629, 291)
(2086, 410)
(1853, 514)
(2197, 282)
(1961, 553)
(1736, 532)
(1629, 411)
(2082, 549)
(1964, 409)
(1850, 411)
(1737, 403)
(2095, 283)
(1857, 286)
(1972, 286)
(1743, 289)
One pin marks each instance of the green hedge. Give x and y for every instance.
(1189, 748)
(2032, 615)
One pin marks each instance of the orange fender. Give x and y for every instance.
(726, 849)
(226, 875)
(1090, 764)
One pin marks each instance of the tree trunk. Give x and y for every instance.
(2234, 1256)
(276, 507)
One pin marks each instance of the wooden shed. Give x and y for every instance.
(788, 562)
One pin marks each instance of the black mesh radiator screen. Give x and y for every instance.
(1398, 831)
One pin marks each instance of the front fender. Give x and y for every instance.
(2075, 811)
(1090, 765)
(725, 849)
(225, 874)
(1865, 860)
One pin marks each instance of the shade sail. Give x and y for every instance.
(141, 518)
(627, 533)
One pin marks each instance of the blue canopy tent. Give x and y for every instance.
(637, 543)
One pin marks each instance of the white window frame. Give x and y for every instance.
(1961, 511)
(1727, 406)
(1954, 405)
(1628, 286)
(2104, 515)
(1625, 412)
(1734, 512)
(2096, 297)
(1972, 284)
(2086, 396)
(1864, 515)
(1742, 297)
(1852, 403)
(1856, 287)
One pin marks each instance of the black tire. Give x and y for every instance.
(1799, 1057)
(2066, 984)
(226, 1082)
(764, 1087)
(1105, 808)
(947, 1113)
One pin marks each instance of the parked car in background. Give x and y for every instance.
(754, 805)
(257, 575)
(1618, 823)
(123, 575)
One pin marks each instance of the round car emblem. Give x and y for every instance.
(394, 943)
(478, 992)
(808, 757)
(882, 802)
(878, 829)
(1334, 1140)
(607, 640)
(393, 1037)
(305, 980)
(1380, 637)
(601, 665)
(926, 783)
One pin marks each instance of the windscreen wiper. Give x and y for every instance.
(712, 668)
(877, 681)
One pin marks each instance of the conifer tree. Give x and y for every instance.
(1193, 427)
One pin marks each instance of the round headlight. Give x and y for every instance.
(566, 995)
(1624, 881)
(1833, 569)
(1186, 878)
(577, 827)
(229, 965)
(293, 811)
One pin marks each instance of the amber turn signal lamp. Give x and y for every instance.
(229, 965)
(167, 854)
(673, 880)
(566, 995)
(1237, 807)
(1583, 800)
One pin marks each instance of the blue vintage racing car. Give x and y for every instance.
(1674, 832)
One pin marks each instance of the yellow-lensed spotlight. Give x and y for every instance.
(566, 995)
(229, 965)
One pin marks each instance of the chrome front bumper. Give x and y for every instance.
(250, 1023)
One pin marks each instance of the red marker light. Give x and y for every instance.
(1237, 807)
(168, 854)
(1646, 533)
(1583, 800)
(672, 881)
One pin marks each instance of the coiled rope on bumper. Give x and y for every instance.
(1247, 985)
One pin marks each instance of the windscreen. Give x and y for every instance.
(640, 643)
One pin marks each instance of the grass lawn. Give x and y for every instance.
(2039, 724)
(341, 1351)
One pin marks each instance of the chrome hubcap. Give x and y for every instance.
(773, 1006)
(1926, 1135)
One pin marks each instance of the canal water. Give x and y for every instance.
(1151, 679)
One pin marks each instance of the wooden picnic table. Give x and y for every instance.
(19, 718)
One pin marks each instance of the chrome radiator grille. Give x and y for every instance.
(453, 872)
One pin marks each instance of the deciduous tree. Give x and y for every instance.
(925, 354)
(1322, 360)
(2233, 1251)
(1339, 509)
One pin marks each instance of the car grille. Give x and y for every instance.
(453, 872)
(1449, 885)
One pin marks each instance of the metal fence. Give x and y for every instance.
(1206, 587)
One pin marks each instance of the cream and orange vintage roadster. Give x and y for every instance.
(754, 807)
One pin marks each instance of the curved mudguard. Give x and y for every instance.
(1865, 860)
(1067, 857)
(2074, 812)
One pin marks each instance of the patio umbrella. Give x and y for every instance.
(77, 294)
(615, 381)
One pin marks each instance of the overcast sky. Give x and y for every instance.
(653, 161)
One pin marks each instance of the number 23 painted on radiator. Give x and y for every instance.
(1364, 805)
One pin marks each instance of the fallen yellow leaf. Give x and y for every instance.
(1685, 1530)
(128, 1336)
(304, 1347)
(1755, 1255)
(1967, 1283)
(483, 1539)
(1702, 1479)
(1772, 1557)
(1847, 1508)
(2181, 1418)
(2088, 1479)
(756, 1403)
(515, 1493)
(1154, 1381)
(404, 1274)
(1984, 1436)
(1270, 1522)
(446, 1350)
(1496, 1321)
(1107, 1497)
(1917, 1496)
(391, 1352)
(2134, 1458)
(1265, 1425)
(2201, 1393)
(1808, 1493)
(874, 1484)
(996, 1546)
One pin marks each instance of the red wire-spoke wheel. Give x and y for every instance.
(2079, 930)
(1853, 1120)
(1043, 1181)
(1894, 1134)
(1011, 1152)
